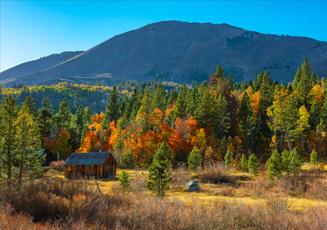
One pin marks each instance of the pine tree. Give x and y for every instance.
(46, 103)
(275, 167)
(125, 181)
(228, 159)
(124, 104)
(159, 176)
(258, 81)
(253, 165)
(221, 117)
(113, 108)
(304, 85)
(45, 122)
(323, 116)
(295, 164)
(63, 116)
(314, 115)
(245, 118)
(231, 82)
(28, 140)
(29, 103)
(181, 103)
(220, 72)
(297, 78)
(77, 126)
(244, 86)
(88, 116)
(128, 111)
(192, 102)
(244, 164)
(172, 99)
(194, 159)
(313, 159)
(8, 138)
(204, 114)
(159, 99)
(145, 111)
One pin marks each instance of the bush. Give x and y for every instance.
(215, 174)
(124, 181)
(313, 159)
(228, 159)
(244, 164)
(274, 165)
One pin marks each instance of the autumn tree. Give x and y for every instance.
(64, 147)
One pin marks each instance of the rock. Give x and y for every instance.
(192, 185)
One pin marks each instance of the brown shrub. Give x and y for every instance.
(215, 174)
(180, 177)
(57, 164)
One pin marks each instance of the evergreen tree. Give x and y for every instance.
(193, 100)
(29, 103)
(244, 86)
(275, 167)
(127, 160)
(228, 159)
(313, 159)
(297, 78)
(221, 117)
(245, 118)
(63, 116)
(159, 99)
(295, 164)
(88, 116)
(113, 108)
(181, 103)
(125, 181)
(45, 122)
(194, 159)
(46, 103)
(323, 116)
(244, 164)
(124, 104)
(145, 111)
(159, 176)
(231, 82)
(304, 85)
(220, 72)
(77, 126)
(136, 105)
(172, 99)
(204, 114)
(8, 138)
(28, 141)
(253, 165)
(258, 81)
(128, 111)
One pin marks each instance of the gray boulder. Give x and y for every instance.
(192, 185)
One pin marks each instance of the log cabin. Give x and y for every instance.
(96, 164)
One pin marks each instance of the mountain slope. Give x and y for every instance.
(37, 65)
(182, 52)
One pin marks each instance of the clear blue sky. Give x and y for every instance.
(33, 29)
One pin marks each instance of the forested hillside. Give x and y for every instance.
(249, 118)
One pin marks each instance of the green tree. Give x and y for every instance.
(314, 115)
(220, 72)
(127, 160)
(159, 175)
(231, 82)
(194, 159)
(8, 138)
(113, 108)
(221, 117)
(245, 118)
(45, 122)
(244, 164)
(275, 167)
(125, 181)
(172, 99)
(77, 126)
(253, 165)
(323, 116)
(295, 164)
(304, 86)
(46, 103)
(159, 99)
(28, 141)
(297, 78)
(29, 103)
(313, 159)
(204, 114)
(228, 159)
(145, 112)
(63, 117)
(193, 99)
(181, 103)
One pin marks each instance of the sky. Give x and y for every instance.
(33, 29)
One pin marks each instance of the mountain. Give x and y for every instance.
(182, 52)
(36, 65)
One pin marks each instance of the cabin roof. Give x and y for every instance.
(95, 158)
